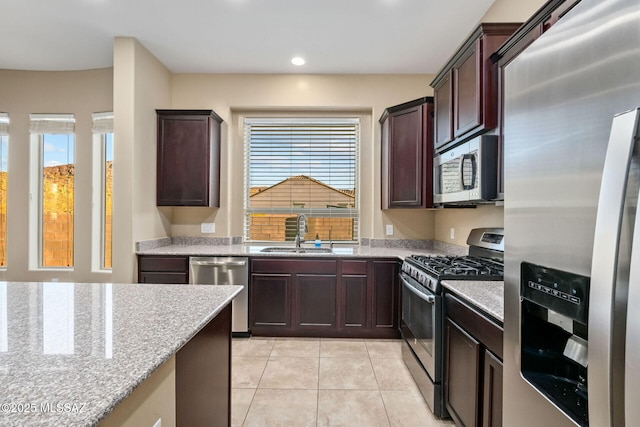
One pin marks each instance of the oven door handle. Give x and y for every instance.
(431, 299)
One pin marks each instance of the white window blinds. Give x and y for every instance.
(4, 124)
(301, 166)
(102, 122)
(52, 123)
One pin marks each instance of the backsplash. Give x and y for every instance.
(397, 243)
(450, 248)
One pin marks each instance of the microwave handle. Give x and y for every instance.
(474, 168)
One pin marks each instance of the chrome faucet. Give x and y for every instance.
(301, 224)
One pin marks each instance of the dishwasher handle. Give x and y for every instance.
(228, 264)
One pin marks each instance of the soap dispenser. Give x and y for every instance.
(317, 242)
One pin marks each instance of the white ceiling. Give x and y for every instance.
(240, 36)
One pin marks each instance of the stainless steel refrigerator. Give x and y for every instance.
(572, 245)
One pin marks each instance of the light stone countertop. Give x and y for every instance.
(486, 295)
(254, 250)
(88, 345)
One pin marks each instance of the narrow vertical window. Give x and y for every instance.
(4, 136)
(54, 138)
(103, 188)
(108, 193)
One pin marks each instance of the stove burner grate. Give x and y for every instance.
(458, 266)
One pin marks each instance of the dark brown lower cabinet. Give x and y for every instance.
(473, 365)
(315, 301)
(273, 291)
(203, 375)
(386, 294)
(462, 376)
(163, 269)
(354, 303)
(492, 394)
(324, 297)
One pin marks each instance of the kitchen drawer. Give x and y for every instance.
(164, 263)
(150, 277)
(475, 323)
(354, 267)
(294, 266)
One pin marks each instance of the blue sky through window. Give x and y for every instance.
(108, 147)
(3, 153)
(58, 149)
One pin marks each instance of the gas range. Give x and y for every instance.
(422, 320)
(484, 262)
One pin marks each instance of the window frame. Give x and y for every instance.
(4, 148)
(60, 124)
(102, 126)
(356, 118)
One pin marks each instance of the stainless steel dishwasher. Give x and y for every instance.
(225, 271)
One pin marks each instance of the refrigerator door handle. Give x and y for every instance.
(604, 270)
(632, 342)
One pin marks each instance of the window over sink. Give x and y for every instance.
(301, 165)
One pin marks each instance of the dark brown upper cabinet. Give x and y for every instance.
(465, 90)
(442, 123)
(407, 155)
(188, 172)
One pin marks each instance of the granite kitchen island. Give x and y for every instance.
(80, 354)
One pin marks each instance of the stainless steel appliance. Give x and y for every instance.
(225, 271)
(571, 190)
(422, 317)
(467, 173)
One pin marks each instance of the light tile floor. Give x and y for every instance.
(324, 382)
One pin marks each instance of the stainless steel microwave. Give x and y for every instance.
(467, 173)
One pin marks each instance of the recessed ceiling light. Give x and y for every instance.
(297, 60)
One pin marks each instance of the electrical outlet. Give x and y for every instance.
(452, 233)
(208, 227)
(389, 229)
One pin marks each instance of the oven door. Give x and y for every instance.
(421, 325)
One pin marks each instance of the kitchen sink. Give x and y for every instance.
(294, 250)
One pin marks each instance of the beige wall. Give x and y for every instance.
(81, 93)
(141, 85)
(512, 10)
(233, 96)
(153, 400)
(463, 220)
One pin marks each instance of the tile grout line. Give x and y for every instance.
(318, 384)
(378, 384)
(255, 390)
